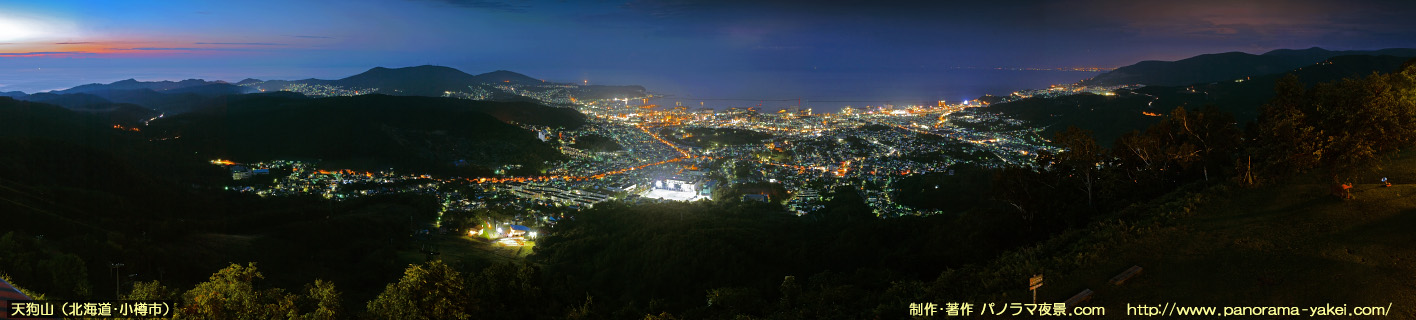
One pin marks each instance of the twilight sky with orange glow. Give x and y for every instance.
(47, 45)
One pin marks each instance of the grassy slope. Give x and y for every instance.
(1285, 245)
(459, 250)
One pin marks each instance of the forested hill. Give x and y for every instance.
(1108, 117)
(437, 81)
(141, 100)
(419, 81)
(436, 135)
(1225, 66)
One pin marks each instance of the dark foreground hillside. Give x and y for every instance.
(1282, 245)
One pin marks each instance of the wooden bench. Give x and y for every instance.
(1126, 275)
(1083, 296)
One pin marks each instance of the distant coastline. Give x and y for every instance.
(831, 92)
(821, 91)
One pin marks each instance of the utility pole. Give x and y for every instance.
(115, 267)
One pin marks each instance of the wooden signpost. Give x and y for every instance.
(1033, 284)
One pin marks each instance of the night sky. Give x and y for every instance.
(48, 45)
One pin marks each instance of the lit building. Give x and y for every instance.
(676, 188)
